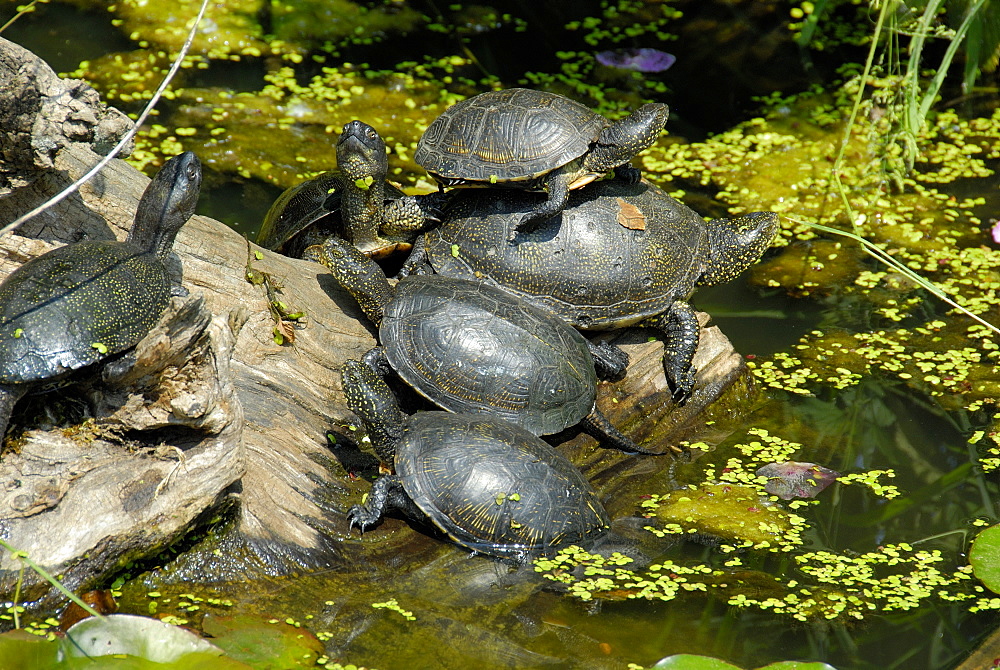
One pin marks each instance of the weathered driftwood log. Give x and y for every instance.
(42, 113)
(217, 412)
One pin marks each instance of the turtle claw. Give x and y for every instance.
(610, 361)
(360, 516)
(683, 388)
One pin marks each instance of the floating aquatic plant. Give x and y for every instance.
(822, 585)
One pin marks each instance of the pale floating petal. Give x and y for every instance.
(641, 60)
(793, 479)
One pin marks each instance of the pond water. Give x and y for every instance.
(438, 607)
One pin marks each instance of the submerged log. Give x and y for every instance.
(216, 413)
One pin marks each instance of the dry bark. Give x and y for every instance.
(217, 412)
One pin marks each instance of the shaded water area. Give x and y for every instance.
(855, 368)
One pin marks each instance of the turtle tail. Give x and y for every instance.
(600, 428)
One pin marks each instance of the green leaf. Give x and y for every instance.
(101, 348)
(798, 665)
(257, 254)
(692, 662)
(364, 183)
(24, 650)
(454, 250)
(985, 557)
(261, 644)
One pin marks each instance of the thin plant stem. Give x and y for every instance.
(949, 55)
(881, 255)
(913, 119)
(839, 160)
(26, 9)
(22, 556)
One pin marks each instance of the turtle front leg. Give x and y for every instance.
(376, 359)
(416, 263)
(628, 174)
(384, 495)
(405, 217)
(679, 324)
(557, 186)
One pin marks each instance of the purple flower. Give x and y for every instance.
(642, 60)
(995, 231)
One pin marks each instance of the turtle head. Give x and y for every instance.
(371, 399)
(167, 204)
(619, 142)
(357, 273)
(361, 153)
(736, 244)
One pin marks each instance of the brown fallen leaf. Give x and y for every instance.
(630, 216)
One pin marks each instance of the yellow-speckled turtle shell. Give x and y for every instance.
(76, 305)
(83, 302)
(517, 134)
(617, 254)
(470, 347)
(494, 487)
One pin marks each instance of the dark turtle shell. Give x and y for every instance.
(494, 487)
(83, 302)
(471, 347)
(511, 135)
(617, 254)
(313, 203)
(77, 305)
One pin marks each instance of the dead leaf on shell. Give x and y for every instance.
(630, 216)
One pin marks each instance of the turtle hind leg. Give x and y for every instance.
(387, 494)
(610, 361)
(9, 395)
(557, 186)
(681, 330)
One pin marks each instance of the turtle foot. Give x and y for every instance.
(525, 224)
(682, 388)
(628, 174)
(362, 517)
(611, 362)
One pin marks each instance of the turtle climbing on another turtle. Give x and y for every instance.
(489, 485)
(86, 302)
(367, 209)
(619, 255)
(528, 139)
(470, 347)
